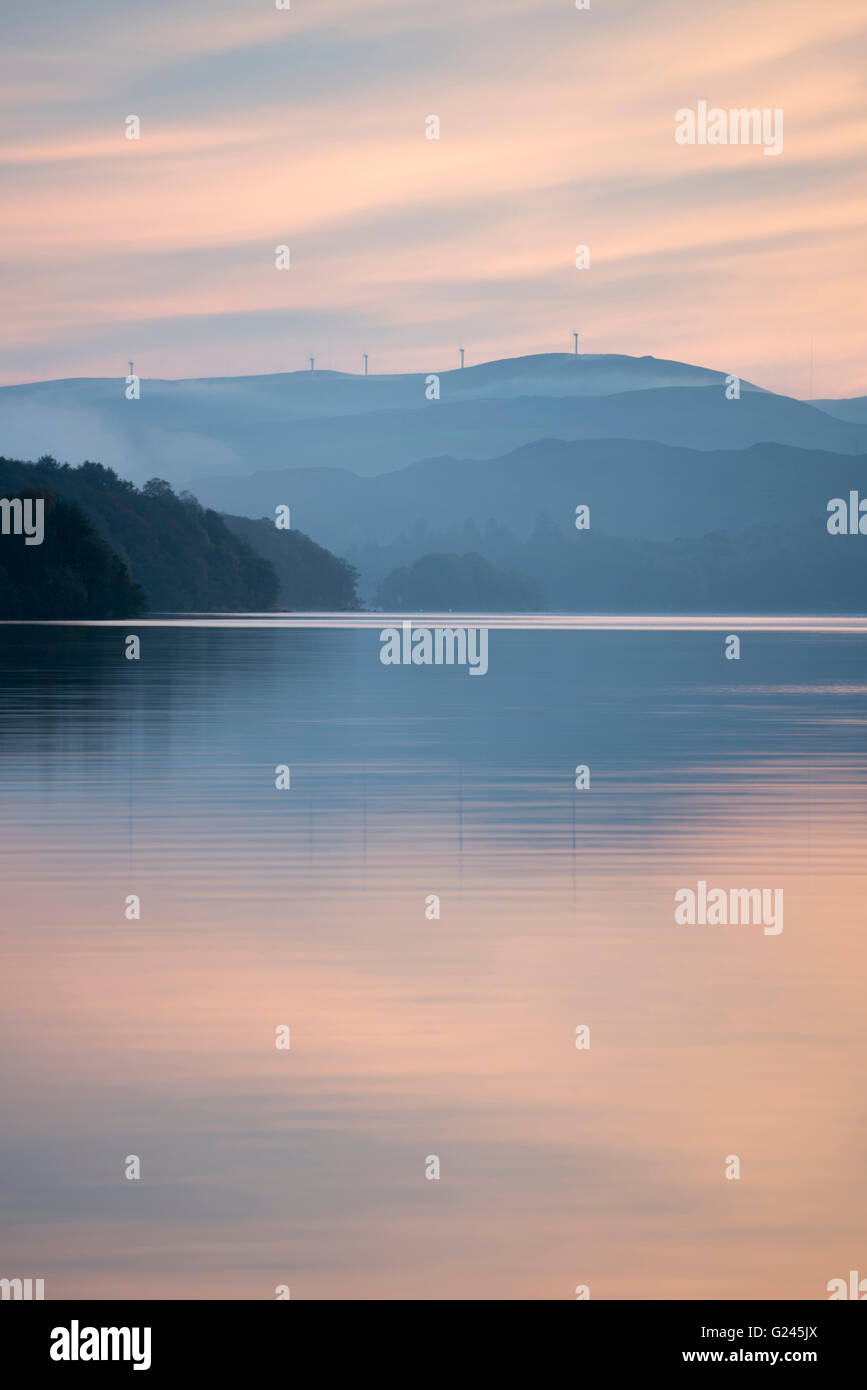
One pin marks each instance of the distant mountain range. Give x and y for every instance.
(189, 431)
(695, 498)
(633, 490)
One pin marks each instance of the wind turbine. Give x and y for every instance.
(461, 351)
(575, 336)
(364, 355)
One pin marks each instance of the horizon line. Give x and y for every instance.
(367, 619)
(361, 375)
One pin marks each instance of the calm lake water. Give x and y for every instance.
(411, 1036)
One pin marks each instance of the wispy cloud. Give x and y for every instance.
(307, 127)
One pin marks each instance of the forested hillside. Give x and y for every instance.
(111, 549)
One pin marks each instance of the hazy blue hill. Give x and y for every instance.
(381, 475)
(188, 430)
(322, 394)
(689, 417)
(764, 569)
(853, 409)
(309, 576)
(449, 583)
(633, 489)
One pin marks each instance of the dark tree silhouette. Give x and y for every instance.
(71, 574)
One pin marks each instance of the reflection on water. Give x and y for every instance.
(409, 1036)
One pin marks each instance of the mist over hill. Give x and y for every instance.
(633, 490)
(669, 529)
(186, 431)
(683, 479)
(761, 569)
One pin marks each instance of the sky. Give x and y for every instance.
(306, 127)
